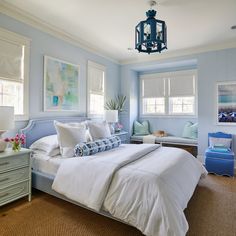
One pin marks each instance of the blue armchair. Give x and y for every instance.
(219, 158)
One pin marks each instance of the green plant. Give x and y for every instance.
(116, 104)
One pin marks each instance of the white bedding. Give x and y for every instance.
(148, 191)
(45, 164)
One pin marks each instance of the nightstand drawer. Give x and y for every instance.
(11, 193)
(13, 162)
(13, 176)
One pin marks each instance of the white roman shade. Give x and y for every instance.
(11, 59)
(182, 85)
(14, 72)
(169, 93)
(96, 89)
(153, 87)
(96, 75)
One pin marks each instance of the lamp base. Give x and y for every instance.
(112, 129)
(3, 145)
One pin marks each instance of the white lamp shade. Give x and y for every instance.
(6, 118)
(111, 116)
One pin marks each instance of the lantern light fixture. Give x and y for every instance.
(151, 34)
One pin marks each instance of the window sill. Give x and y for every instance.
(169, 116)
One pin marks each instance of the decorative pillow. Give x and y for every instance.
(68, 136)
(48, 144)
(190, 130)
(141, 128)
(222, 142)
(101, 145)
(99, 130)
(78, 124)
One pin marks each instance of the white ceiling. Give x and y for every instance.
(107, 26)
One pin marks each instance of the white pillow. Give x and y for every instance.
(48, 144)
(78, 124)
(226, 142)
(68, 136)
(99, 130)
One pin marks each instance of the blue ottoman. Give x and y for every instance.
(221, 163)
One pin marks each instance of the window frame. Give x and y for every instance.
(18, 39)
(166, 76)
(100, 67)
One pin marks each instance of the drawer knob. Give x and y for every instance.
(3, 180)
(4, 163)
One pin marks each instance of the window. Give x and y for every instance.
(14, 64)
(96, 81)
(169, 93)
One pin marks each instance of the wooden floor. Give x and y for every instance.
(210, 212)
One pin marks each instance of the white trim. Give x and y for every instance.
(23, 41)
(25, 17)
(179, 53)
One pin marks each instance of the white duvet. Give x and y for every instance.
(143, 185)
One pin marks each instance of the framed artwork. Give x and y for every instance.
(226, 103)
(61, 85)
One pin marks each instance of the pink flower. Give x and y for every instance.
(7, 140)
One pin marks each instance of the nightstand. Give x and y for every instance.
(123, 136)
(15, 175)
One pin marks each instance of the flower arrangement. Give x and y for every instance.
(118, 127)
(16, 141)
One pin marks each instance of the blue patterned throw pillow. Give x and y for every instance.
(100, 145)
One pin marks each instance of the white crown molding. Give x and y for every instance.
(179, 53)
(23, 16)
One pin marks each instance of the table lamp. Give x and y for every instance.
(111, 116)
(6, 123)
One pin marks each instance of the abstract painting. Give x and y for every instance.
(61, 85)
(226, 102)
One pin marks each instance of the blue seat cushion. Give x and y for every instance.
(222, 155)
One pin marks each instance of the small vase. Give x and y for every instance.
(16, 147)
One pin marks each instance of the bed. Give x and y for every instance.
(144, 185)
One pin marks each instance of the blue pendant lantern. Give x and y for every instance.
(151, 34)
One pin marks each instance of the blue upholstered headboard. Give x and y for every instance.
(38, 128)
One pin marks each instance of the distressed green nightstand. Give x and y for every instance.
(15, 175)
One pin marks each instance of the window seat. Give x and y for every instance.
(189, 145)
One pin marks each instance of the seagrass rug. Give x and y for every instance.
(210, 212)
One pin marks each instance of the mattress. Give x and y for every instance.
(42, 163)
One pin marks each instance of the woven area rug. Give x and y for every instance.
(211, 211)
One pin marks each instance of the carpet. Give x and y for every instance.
(211, 211)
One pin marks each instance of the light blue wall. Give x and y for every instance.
(212, 67)
(129, 87)
(45, 44)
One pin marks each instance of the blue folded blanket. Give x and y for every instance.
(220, 149)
